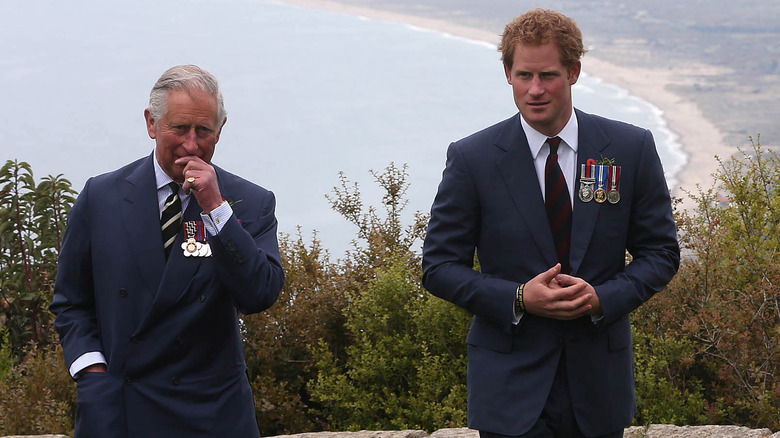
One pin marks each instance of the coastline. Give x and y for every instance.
(701, 140)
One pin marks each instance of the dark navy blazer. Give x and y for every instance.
(169, 331)
(489, 200)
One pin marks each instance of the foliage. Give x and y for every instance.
(39, 396)
(6, 358)
(406, 365)
(32, 222)
(385, 239)
(36, 393)
(278, 341)
(724, 304)
(395, 377)
(324, 321)
(663, 394)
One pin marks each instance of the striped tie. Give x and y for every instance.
(556, 199)
(171, 218)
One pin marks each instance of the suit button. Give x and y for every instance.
(123, 292)
(202, 298)
(128, 380)
(179, 340)
(175, 381)
(134, 339)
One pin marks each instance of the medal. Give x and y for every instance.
(600, 195)
(613, 196)
(587, 181)
(195, 244)
(204, 250)
(190, 247)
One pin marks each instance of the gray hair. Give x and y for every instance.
(184, 77)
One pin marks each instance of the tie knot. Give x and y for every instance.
(554, 143)
(174, 187)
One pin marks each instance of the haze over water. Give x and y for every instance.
(309, 93)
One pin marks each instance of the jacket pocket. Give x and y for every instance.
(484, 334)
(100, 408)
(619, 334)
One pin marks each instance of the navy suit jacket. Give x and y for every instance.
(169, 331)
(489, 200)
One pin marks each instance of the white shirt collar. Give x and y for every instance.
(569, 135)
(161, 178)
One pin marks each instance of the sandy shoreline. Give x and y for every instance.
(699, 138)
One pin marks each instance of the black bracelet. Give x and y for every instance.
(519, 304)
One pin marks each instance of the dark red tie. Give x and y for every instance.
(556, 199)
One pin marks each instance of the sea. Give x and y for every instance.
(311, 94)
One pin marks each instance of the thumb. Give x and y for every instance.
(547, 276)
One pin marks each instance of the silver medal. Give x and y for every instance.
(586, 185)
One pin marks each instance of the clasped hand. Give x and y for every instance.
(560, 296)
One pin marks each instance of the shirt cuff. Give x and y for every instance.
(217, 218)
(85, 360)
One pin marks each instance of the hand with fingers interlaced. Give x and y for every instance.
(559, 296)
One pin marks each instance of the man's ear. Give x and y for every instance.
(574, 72)
(219, 131)
(151, 124)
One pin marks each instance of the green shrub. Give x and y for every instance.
(39, 397)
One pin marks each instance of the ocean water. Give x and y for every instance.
(309, 94)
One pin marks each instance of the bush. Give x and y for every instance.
(36, 392)
(365, 315)
(719, 319)
(38, 397)
(396, 375)
(32, 222)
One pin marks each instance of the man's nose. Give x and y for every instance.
(190, 141)
(536, 87)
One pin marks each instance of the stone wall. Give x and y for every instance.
(653, 431)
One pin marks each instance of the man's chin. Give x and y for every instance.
(536, 117)
(536, 111)
(177, 174)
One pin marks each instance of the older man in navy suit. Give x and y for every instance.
(158, 259)
(550, 199)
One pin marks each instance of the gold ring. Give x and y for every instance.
(191, 179)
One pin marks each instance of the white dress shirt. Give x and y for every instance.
(567, 159)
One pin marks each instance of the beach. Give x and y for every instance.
(701, 140)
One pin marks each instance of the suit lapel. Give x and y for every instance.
(177, 275)
(141, 220)
(179, 271)
(592, 142)
(516, 167)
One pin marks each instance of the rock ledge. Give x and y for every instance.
(653, 431)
